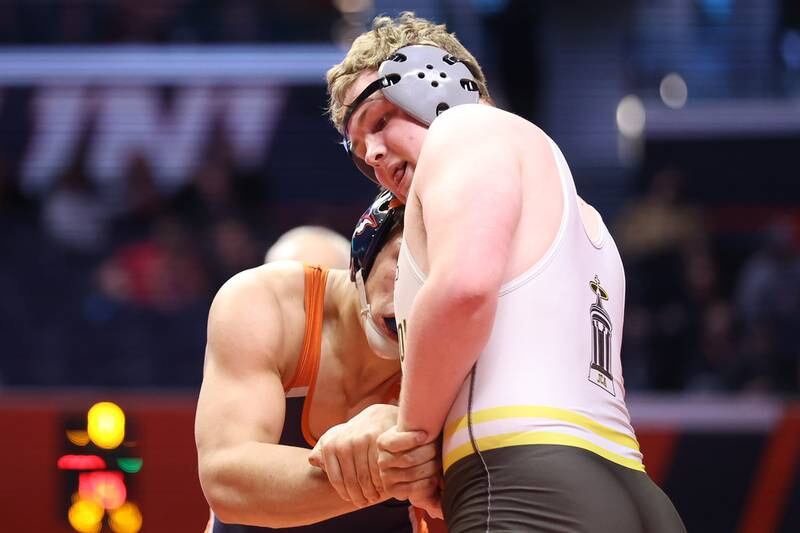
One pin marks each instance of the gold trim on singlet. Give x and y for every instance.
(539, 411)
(537, 437)
(542, 437)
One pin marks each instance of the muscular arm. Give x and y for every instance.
(246, 476)
(468, 186)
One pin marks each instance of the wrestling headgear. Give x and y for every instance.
(369, 237)
(422, 80)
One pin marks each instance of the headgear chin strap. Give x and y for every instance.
(422, 80)
(383, 346)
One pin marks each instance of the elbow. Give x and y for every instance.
(471, 295)
(227, 496)
(222, 511)
(219, 494)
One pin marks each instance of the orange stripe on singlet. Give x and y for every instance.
(307, 367)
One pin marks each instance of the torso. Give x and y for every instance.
(550, 372)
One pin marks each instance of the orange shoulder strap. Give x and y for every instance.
(305, 374)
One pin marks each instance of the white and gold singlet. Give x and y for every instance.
(550, 372)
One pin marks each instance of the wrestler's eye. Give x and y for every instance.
(380, 123)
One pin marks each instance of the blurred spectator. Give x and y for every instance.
(215, 188)
(234, 249)
(711, 352)
(165, 21)
(659, 222)
(241, 21)
(718, 358)
(77, 22)
(313, 245)
(670, 277)
(218, 192)
(768, 301)
(74, 215)
(163, 272)
(140, 202)
(143, 21)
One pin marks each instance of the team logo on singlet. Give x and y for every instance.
(600, 369)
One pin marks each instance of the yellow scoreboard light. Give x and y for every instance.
(86, 516)
(126, 518)
(99, 465)
(106, 425)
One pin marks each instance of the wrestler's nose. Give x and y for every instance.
(375, 153)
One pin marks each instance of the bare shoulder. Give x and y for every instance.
(256, 316)
(467, 118)
(257, 289)
(464, 128)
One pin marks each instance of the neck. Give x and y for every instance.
(363, 369)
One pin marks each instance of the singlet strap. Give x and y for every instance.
(315, 280)
(305, 377)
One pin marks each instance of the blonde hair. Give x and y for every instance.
(372, 48)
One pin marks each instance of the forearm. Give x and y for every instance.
(269, 485)
(446, 333)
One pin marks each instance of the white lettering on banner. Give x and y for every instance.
(58, 115)
(131, 121)
(251, 115)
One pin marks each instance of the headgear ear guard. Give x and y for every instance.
(369, 237)
(422, 80)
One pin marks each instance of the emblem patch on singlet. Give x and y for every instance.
(600, 369)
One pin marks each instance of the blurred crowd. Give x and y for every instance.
(115, 291)
(111, 286)
(25, 22)
(713, 298)
(99, 291)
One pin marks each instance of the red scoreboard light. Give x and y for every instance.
(99, 467)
